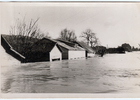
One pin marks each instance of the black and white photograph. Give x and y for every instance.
(70, 48)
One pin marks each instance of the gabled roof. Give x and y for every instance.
(16, 42)
(6, 40)
(67, 42)
(9, 49)
(65, 46)
(80, 48)
(69, 45)
(18, 37)
(85, 46)
(43, 45)
(47, 44)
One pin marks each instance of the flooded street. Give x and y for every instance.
(113, 73)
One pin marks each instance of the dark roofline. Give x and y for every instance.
(55, 43)
(43, 39)
(58, 47)
(49, 39)
(8, 48)
(66, 42)
(77, 42)
(6, 41)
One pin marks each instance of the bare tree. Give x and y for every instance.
(90, 38)
(68, 35)
(26, 30)
(23, 34)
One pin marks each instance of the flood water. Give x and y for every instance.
(113, 73)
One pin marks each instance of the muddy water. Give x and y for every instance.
(112, 73)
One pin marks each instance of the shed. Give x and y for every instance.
(89, 51)
(71, 50)
(44, 50)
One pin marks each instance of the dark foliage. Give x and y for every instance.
(68, 35)
(126, 47)
(99, 49)
(115, 50)
(135, 49)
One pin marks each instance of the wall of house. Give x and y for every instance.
(55, 54)
(38, 57)
(65, 55)
(64, 52)
(76, 54)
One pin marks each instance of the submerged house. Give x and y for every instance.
(70, 50)
(89, 51)
(44, 50)
(48, 50)
(10, 50)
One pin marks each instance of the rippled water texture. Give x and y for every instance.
(112, 73)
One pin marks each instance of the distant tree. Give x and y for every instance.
(68, 35)
(127, 47)
(99, 49)
(120, 49)
(90, 38)
(133, 48)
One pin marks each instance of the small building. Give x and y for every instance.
(71, 50)
(89, 51)
(44, 50)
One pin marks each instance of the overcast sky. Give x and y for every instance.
(113, 23)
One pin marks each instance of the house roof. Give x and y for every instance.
(69, 45)
(6, 40)
(46, 45)
(65, 46)
(80, 48)
(85, 46)
(16, 42)
(11, 38)
(67, 42)
(43, 45)
(10, 49)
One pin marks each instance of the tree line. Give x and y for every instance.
(25, 31)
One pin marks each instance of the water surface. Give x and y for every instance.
(113, 73)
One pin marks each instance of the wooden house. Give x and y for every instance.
(89, 51)
(44, 50)
(70, 50)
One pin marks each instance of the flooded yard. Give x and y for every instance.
(113, 73)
